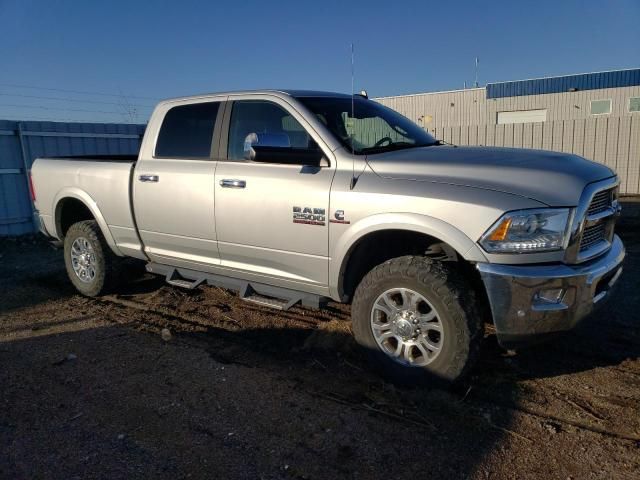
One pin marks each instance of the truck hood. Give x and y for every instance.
(556, 179)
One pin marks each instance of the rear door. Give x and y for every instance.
(271, 217)
(173, 187)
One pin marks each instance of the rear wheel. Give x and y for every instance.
(416, 319)
(88, 258)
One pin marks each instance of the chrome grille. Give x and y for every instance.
(601, 201)
(592, 231)
(593, 235)
(596, 233)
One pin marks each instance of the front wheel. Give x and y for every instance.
(416, 319)
(88, 258)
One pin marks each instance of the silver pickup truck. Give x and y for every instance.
(299, 197)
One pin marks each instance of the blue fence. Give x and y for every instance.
(22, 142)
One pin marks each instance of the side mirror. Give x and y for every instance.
(276, 148)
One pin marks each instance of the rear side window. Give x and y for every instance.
(187, 131)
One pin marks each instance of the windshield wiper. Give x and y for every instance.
(395, 146)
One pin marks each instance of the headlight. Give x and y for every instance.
(528, 231)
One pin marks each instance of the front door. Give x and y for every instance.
(173, 189)
(271, 217)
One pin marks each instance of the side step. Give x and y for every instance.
(271, 297)
(174, 278)
(267, 302)
(256, 293)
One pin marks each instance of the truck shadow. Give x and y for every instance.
(196, 405)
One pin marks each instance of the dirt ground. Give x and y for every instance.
(90, 389)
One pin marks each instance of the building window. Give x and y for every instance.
(634, 104)
(600, 107)
(522, 116)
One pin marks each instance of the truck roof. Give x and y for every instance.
(287, 92)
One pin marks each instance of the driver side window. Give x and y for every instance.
(259, 122)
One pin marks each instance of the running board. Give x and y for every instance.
(252, 292)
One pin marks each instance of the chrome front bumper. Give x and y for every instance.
(520, 294)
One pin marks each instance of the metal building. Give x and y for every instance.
(22, 142)
(595, 115)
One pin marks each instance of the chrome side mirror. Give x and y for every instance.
(255, 142)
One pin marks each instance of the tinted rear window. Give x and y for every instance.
(187, 131)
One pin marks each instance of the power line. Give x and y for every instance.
(76, 100)
(59, 119)
(79, 92)
(41, 107)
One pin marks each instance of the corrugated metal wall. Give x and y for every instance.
(613, 141)
(471, 107)
(22, 142)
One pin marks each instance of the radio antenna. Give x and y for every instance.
(476, 84)
(352, 121)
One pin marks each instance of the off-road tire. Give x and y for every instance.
(449, 294)
(104, 258)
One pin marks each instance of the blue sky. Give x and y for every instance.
(157, 49)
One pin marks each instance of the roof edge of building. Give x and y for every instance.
(565, 76)
(430, 93)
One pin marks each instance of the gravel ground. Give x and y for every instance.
(90, 388)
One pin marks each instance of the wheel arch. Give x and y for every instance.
(426, 231)
(72, 205)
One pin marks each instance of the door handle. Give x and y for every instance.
(149, 178)
(229, 183)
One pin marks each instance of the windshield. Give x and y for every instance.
(373, 128)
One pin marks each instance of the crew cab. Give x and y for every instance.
(300, 197)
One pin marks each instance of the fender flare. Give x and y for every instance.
(90, 203)
(434, 227)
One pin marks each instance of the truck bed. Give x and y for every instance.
(100, 182)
